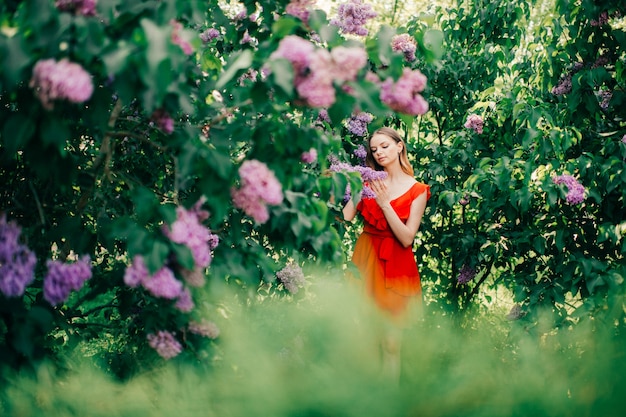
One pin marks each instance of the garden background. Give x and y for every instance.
(171, 179)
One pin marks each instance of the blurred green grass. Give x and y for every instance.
(319, 356)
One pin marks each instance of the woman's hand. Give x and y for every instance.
(382, 193)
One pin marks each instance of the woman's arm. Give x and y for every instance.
(349, 211)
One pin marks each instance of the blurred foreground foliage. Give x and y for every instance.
(319, 357)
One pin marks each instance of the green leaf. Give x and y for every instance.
(157, 256)
(282, 75)
(238, 61)
(17, 132)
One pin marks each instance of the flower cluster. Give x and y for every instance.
(603, 19)
(300, 9)
(162, 283)
(62, 80)
(405, 44)
(188, 230)
(317, 69)
(163, 121)
(361, 153)
(352, 17)
(357, 124)
(292, 277)
(466, 274)
(204, 328)
(78, 7)
(177, 39)
(564, 85)
(515, 313)
(624, 139)
(367, 175)
(165, 344)
(604, 97)
(575, 190)
(309, 156)
(210, 34)
(474, 122)
(404, 95)
(63, 278)
(259, 188)
(17, 261)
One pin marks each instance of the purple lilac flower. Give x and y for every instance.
(564, 86)
(163, 121)
(357, 124)
(177, 39)
(474, 122)
(367, 175)
(603, 19)
(361, 153)
(292, 277)
(136, 273)
(204, 328)
(188, 230)
(300, 9)
(466, 274)
(78, 7)
(322, 116)
(210, 34)
(247, 39)
(624, 139)
(405, 44)
(309, 156)
(184, 302)
(259, 187)
(17, 261)
(63, 278)
(62, 80)
(165, 344)
(403, 95)
(604, 96)
(575, 191)
(352, 17)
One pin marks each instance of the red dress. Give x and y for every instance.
(388, 269)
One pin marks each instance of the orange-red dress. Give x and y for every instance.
(388, 269)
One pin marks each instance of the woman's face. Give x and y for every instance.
(385, 150)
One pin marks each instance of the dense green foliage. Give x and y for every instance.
(100, 178)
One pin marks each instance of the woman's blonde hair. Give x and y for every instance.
(391, 133)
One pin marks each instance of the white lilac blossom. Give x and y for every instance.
(292, 277)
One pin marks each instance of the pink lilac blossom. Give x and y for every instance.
(78, 7)
(292, 278)
(603, 19)
(163, 284)
(316, 70)
(405, 44)
(209, 35)
(163, 121)
(403, 95)
(466, 274)
(604, 97)
(247, 39)
(465, 200)
(204, 328)
(357, 124)
(165, 344)
(322, 116)
(17, 261)
(624, 139)
(63, 278)
(184, 302)
(300, 9)
(575, 191)
(352, 17)
(188, 230)
(259, 188)
(62, 80)
(474, 122)
(193, 277)
(309, 156)
(177, 39)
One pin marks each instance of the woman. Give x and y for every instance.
(383, 253)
